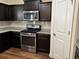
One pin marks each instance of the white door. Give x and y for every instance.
(63, 14)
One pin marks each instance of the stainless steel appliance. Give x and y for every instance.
(28, 38)
(77, 53)
(31, 15)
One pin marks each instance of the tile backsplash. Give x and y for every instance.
(44, 25)
(4, 24)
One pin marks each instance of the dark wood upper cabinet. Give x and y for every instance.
(6, 12)
(31, 5)
(9, 13)
(2, 12)
(14, 12)
(45, 11)
(18, 12)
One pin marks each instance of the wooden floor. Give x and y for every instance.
(14, 53)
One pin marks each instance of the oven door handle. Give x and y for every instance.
(28, 35)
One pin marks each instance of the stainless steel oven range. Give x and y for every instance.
(28, 41)
(28, 38)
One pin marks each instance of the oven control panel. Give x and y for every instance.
(28, 34)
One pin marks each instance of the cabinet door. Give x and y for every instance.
(4, 41)
(6, 12)
(1, 43)
(43, 43)
(10, 13)
(45, 11)
(2, 12)
(16, 39)
(18, 12)
(14, 12)
(31, 5)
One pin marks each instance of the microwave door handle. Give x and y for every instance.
(34, 15)
(31, 17)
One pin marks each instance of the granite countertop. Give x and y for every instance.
(77, 43)
(5, 29)
(44, 31)
(18, 29)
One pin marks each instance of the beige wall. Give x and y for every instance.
(20, 1)
(78, 26)
(2, 1)
(46, 0)
(4, 24)
(10, 2)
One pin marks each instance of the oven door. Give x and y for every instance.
(28, 42)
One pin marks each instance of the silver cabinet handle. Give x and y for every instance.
(69, 33)
(72, 1)
(54, 34)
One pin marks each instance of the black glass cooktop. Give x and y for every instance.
(30, 30)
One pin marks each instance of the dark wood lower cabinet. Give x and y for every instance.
(12, 39)
(43, 43)
(1, 43)
(4, 41)
(9, 39)
(16, 40)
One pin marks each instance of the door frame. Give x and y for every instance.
(74, 30)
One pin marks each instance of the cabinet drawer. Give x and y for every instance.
(43, 35)
(43, 38)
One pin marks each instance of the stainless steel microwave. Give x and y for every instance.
(31, 15)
